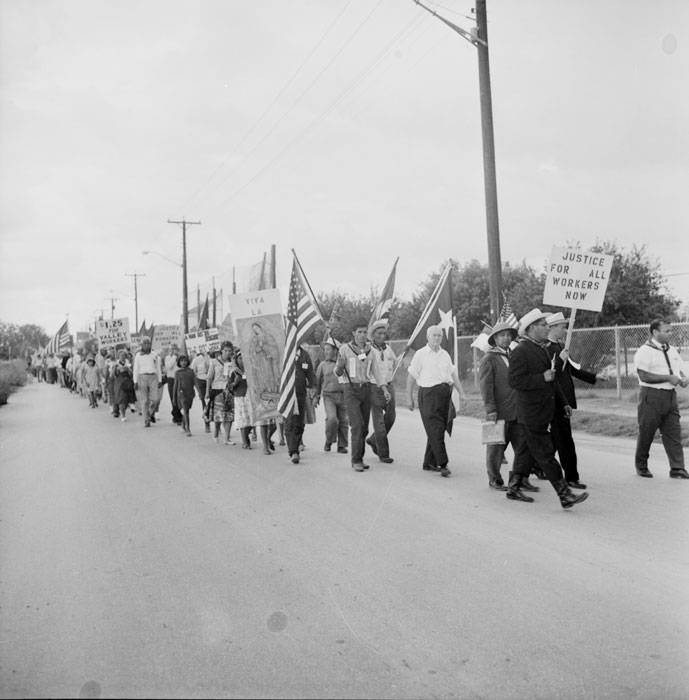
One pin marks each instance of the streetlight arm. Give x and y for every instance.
(155, 252)
(471, 38)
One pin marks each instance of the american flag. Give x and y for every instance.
(302, 315)
(382, 308)
(60, 341)
(507, 315)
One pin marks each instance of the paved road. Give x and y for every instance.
(138, 562)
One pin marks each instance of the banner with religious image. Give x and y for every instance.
(260, 335)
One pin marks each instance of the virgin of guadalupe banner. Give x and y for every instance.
(260, 334)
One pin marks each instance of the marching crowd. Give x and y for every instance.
(526, 381)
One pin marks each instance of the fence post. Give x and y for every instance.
(475, 368)
(618, 368)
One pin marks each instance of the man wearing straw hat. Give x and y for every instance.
(565, 400)
(383, 361)
(532, 375)
(500, 403)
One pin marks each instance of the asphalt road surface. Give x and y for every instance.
(138, 562)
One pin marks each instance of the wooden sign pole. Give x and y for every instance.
(570, 328)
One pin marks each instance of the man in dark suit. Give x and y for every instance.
(532, 375)
(565, 400)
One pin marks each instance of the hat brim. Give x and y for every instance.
(491, 337)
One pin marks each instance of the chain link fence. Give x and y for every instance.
(608, 352)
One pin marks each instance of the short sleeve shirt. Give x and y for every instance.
(650, 358)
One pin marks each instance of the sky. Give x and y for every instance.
(348, 130)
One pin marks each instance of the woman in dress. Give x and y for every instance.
(123, 385)
(219, 400)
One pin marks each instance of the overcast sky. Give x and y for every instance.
(117, 115)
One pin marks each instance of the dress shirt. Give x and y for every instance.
(148, 363)
(382, 364)
(200, 365)
(170, 366)
(356, 361)
(650, 358)
(429, 367)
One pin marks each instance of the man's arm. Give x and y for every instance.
(653, 378)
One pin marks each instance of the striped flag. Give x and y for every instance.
(303, 314)
(382, 308)
(61, 340)
(507, 315)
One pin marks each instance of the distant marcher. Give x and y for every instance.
(200, 365)
(499, 400)
(565, 399)
(51, 368)
(661, 370)
(243, 411)
(331, 389)
(122, 385)
(304, 388)
(434, 374)
(220, 402)
(532, 375)
(169, 370)
(148, 380)
(184, 390)
(383, 414)
(91, 380)
(354, 363)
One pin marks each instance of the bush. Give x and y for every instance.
(12, 376)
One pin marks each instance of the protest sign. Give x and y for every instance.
(206, 340)
(577, 279)
(164, 336)
(260, 334)
(112, 332)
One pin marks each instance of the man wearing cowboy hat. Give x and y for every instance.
(565, 399)
(500, 403)
(532, 375)
(382, 370)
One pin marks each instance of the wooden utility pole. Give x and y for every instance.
(198, 305)
(478, 36)
(214, 304)
(185, 295)
(273, 270)
(135, 275)
(112, 301)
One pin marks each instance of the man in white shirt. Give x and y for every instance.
(147, 380)
(433, 372)
(170, 371)
(660, 369)
(382, 391)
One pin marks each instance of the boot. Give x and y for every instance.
(514, 492)
(528, 486)
(567, 498)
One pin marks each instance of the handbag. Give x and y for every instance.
(493, 433)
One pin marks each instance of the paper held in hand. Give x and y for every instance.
(493, 433)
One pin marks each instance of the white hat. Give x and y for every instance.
(382, 323)
(529, 318)
(556, 319)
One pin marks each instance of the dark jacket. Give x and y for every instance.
(535, 396)
(493, 375)
(304, 376)
(564, 374)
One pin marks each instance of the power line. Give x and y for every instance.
(277, 97)
(323, 114)
(298, 99)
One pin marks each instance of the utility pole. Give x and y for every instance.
(185, 297)
(478, 36)
(273, 270)
(135, 275)
(112, 301)
(198, 305)
(214, 304)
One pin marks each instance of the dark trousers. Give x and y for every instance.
(537, 446)
(358, 402)
(176, 413)
(200, 385)
(658, 410)
(514, 435)
(434, 405)
(383, 418)
(561, 430)
(294, 426)
(336, 424)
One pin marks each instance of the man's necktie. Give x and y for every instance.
(665, 348)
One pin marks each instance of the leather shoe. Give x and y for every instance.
(295, 458)
(386, 460)
(372, 444)
(342, 450)
(326, 447)
(444, 471)
(358, 467)
(679, 474)
(576, 485)
(497, 485)
(644, 472)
